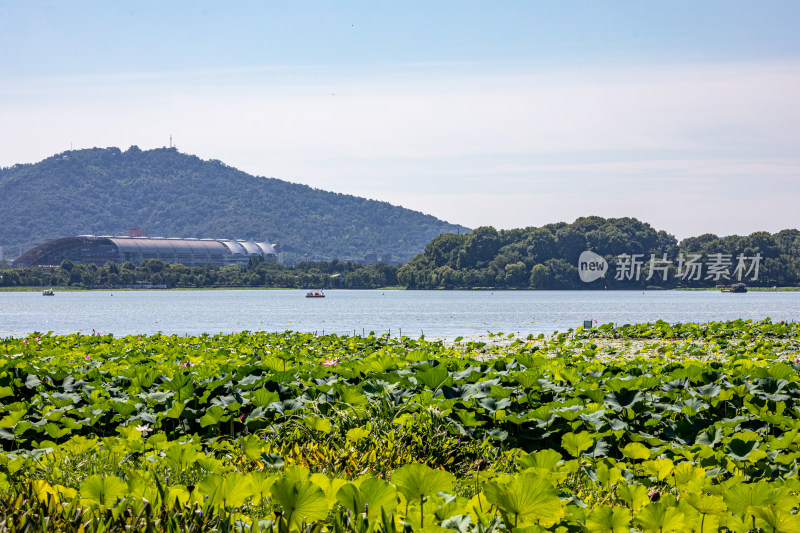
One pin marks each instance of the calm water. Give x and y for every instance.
(437, 314)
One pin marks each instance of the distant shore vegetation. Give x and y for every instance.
(547, 257)
(544, 257)
(157, 274)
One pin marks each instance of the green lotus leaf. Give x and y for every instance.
(608, 476)
(272, 460)
(596, 419)
(296, 473)
(103, 491)
(623, 399)
(710, 437)
(636, 451)
(357, 434)
(689, 477)
(469, 418)
(739, 450)
(706, 504)
(141, 485)
(78, 445)
(526, 379)
(262, 484)
(635, 495)
(32, 381)
(123, 408)
(213, 415)
(658, 518)
(317, 424)
(351, 497)
(211, 487)
(526, 498)
(12, 419)
(743, 498)
(711, 390)
(54, 431)
(350, 396)
(782, 521)
(252, 447)
(263, 397)
(417, 481)
(300, 501)
(492, 405)
(781, 370)
(434, 378)
(660, 468)
(175, 410)
(575, 443)
(180, 457)
(156, 397)
(378, 495)
(230, 490)
(605, 519)
(543, 459)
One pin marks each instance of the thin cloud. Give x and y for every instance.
(561, 141)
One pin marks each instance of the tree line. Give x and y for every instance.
(637, 255)
(257, 273)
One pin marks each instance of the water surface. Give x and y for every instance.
(436, 314)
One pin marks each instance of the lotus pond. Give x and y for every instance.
(653, 427)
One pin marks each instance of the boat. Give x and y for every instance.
(315, 294)
(737, 288)
(48, 292)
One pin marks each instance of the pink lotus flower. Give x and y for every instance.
(145, 429)
(330, 362)
(88, 357)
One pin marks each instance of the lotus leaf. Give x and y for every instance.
(635, 495)
(526, 498)
(575, 443)
(102, 490)
(300, 501)
(606, 519)
(658, 518)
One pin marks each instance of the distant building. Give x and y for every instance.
(371, 259)
(119, 249)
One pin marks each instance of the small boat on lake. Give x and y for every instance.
(736, 287)
(48, 292)
(315, 294)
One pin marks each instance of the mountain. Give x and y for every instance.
(104, 191)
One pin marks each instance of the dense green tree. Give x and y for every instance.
(546, 257)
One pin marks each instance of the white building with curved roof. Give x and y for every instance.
(119, 249)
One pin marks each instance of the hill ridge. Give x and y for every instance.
(103, 191)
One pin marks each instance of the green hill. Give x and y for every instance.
(635, 254)
(104, 191)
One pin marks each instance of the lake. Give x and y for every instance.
(436, 314)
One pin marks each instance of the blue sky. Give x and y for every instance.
(511, 114)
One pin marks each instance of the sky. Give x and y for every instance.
(683, 114)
